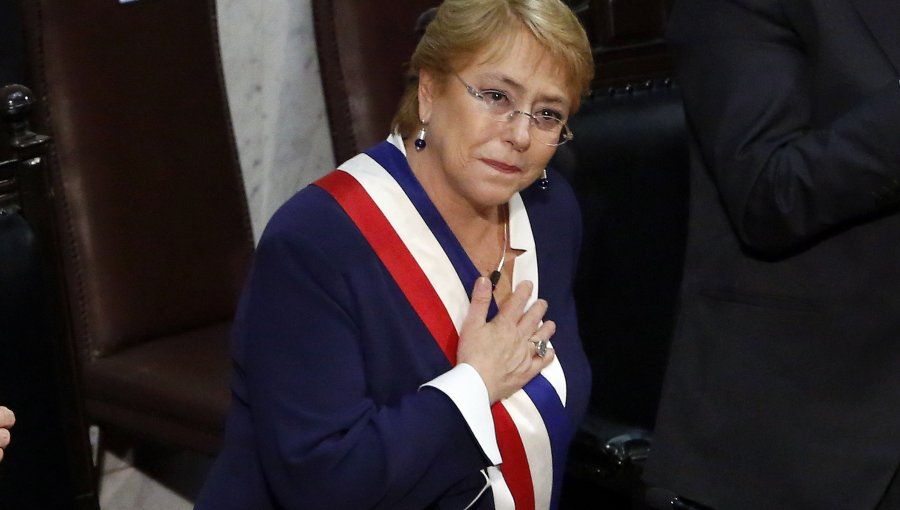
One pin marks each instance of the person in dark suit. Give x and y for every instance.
(783, 386)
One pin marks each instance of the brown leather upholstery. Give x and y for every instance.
(153, 222)
(363, 50)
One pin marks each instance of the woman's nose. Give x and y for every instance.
(520, 129)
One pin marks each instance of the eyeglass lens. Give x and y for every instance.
(549, 130)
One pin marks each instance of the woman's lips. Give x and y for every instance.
(503, 167)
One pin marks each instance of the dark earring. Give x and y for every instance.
(544, 181)
(420, 140)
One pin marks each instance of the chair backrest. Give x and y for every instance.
(363, 50)
(150, 200)
(150, 209)
(628, 39)
(629, 166)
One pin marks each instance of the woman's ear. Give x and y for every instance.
(426, 95)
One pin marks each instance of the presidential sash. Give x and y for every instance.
(380, 194)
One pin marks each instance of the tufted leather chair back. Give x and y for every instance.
(628, 165)
(150, 206)
(363, 50)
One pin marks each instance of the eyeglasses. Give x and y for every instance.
(550, 130)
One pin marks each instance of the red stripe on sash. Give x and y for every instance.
(396, 257)
(515, 463)
(402, 266)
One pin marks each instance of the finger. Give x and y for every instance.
(1, 454)
(538, 360)
(540, 340)
(481, 302)
(543, 332)
(546, 330)
(4, 438)
(531, 319)
(515, 305)
(7, 418)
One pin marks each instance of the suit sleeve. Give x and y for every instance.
(323, 443)
(785, 175)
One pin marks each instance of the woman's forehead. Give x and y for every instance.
(521, 61)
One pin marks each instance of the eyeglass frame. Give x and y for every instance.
(565, 134)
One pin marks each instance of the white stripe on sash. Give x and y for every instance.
(534, 433)
(414, 232)
(503, 499)
(526, 268)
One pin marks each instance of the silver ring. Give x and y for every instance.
(540, 346)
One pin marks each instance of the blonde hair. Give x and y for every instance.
(463, 28)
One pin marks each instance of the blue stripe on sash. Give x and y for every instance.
(559, 428)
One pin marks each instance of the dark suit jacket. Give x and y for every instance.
(783, 389)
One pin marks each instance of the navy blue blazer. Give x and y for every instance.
(329, 358)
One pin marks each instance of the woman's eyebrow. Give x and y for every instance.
(519, 88)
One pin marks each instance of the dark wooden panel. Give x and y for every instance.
(627, 38)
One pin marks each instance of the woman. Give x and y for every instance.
(7, 420)
(364, 378)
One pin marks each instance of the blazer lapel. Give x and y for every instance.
(884, 23)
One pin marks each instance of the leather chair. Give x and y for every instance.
(150, 213)
(629, 167)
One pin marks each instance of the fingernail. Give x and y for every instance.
(481, 283)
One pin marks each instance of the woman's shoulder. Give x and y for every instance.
(555, 218)
(557, 202)
(308, 211)
(308, 223)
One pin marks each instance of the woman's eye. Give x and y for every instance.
(549, 114)
(495, 96)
